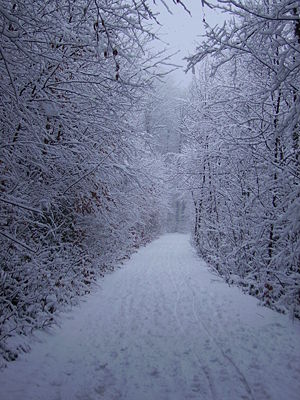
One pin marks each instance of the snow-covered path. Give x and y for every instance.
(162, 327)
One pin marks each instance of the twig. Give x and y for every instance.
(18, 242)
(21, 206)
(9, 74)
(88, 173)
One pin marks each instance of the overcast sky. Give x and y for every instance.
(182, 32)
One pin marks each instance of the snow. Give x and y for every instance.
(162, 327)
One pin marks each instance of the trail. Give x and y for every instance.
(162, 327)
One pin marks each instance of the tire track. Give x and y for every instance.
(204, 369)
(219, 347)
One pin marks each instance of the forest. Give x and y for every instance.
(100, 152)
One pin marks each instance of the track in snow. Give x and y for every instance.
(163, 327)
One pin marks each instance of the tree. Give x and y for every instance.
(254, 59)
(73, 74)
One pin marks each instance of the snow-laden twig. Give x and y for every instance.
(18, 242)
(25, 207)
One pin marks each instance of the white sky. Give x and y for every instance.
(182, 32)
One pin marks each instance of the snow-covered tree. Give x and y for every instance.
(72, 163)
(243, 122)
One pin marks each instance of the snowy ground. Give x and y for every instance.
(162, 328)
